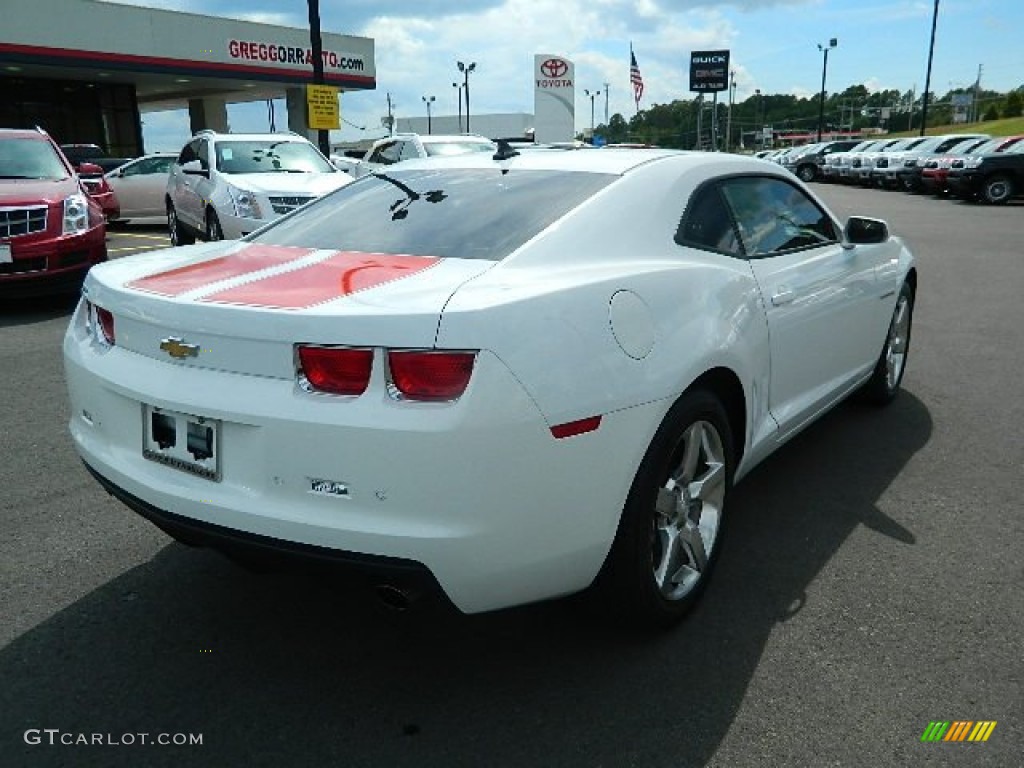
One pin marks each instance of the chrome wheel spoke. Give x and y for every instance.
(693, 544)
(691, 454)
(705, 487)
(671, 559)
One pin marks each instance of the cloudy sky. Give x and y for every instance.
(882, 43)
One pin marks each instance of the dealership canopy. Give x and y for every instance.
(157, 59)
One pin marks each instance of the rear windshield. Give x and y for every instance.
(30, 159)
(448, 148)
(463, 214)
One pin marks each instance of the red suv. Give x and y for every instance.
(51, 230)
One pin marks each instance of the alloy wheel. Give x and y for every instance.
(896, 345)
(688, 509)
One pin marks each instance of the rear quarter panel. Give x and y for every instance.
(545, 310)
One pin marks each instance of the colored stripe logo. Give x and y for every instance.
(958, 730)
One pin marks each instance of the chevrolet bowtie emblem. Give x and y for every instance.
(178, 349)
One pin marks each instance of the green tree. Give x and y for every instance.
(1014, 106)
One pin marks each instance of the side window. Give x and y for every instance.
(135, 169)
(707, 223)
(148, 166)
(161, 165)
(188, 154)
(204, 154)
(773, 216)
(409, 151)
(386, 154)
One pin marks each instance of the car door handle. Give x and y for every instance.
(784, 296)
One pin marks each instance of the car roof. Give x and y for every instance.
(253, 137)
(618, 162)
(23, 133)
(428, 138)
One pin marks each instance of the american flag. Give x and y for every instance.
(635, 79)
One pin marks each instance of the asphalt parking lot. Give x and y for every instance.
(126, 239)
(870, 584)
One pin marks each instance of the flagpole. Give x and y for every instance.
(636, 103)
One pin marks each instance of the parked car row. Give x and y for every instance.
(972, 166)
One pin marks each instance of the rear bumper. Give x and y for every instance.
(409, 575)
(478, 491)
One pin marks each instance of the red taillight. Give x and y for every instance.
(105, 324)
(431, 375)
(573, 428)
(338, 370)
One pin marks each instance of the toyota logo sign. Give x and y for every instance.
(554, 68)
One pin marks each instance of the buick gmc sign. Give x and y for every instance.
(709, 71)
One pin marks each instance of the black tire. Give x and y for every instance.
(998, 189)
(807, 172)
(213, 228)
(884, 384)
(636, 580)
(178, 232)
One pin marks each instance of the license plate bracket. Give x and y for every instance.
(182, 441)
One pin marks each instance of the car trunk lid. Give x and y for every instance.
(243, 307)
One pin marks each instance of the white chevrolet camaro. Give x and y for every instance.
(512, 377)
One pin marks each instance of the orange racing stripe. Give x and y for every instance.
(344, 273)
(251, 258)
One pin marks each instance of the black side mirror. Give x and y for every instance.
(863, 231)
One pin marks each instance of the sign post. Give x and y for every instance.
(709, 73)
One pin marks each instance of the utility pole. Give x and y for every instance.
(316, 43)
(977, 96)
(606, 86)
(391, 116)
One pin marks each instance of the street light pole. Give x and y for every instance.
(592, 95)
(465, 69)
(459, 87)
(428, 100)
(824, 66)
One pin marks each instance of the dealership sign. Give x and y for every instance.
(709, 71)
(554, 98)
(274, 53)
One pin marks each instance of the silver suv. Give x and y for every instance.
(226, 185)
